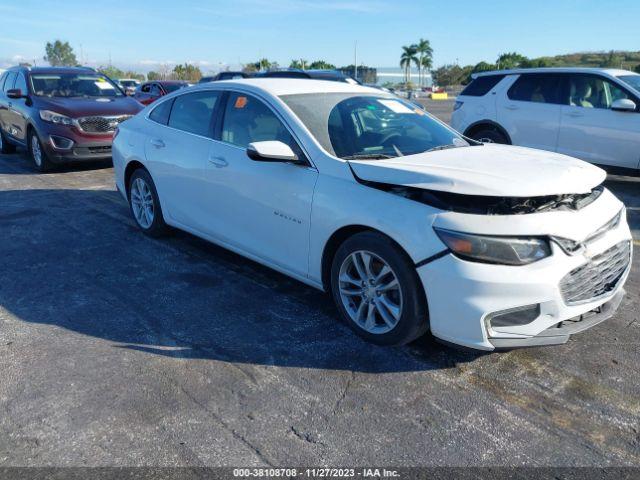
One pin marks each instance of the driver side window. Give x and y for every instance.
(590, 91)
(247, 120)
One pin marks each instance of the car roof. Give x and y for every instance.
(517, 71)
(51, 70)
(293, 86)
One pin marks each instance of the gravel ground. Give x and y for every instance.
(116, 349)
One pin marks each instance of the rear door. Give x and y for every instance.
(6, 103)
(177, 147)
(530, 110)
(591, 130)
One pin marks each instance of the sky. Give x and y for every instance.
(141, 35)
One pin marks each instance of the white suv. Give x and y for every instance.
(588, 113)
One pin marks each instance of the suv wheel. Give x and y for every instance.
(5, 147)
(145, 205)
(487, 135)
(38, 155)
(377, 290)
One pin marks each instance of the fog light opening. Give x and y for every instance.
(514, 317)
(61, 143)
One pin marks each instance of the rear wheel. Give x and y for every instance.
(377, 290)
(38, 155)
(489, 135)
(145, 204)
(5, 147)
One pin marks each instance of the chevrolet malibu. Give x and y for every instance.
(410, 227)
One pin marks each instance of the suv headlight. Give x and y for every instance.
(499, 250)
(55, 117)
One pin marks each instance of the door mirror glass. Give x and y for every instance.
(624, 105)
(271, 151)
(14, 93)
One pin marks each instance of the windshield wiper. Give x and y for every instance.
(443, 147)
(368, 156)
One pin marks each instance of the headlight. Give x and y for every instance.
(54, 117)
(500, 250)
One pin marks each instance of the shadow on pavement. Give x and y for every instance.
(74, 259)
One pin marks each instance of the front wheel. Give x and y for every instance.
(145, 204)
(377, 290)
(490, 136)
(38, 154)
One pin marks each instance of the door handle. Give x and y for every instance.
(157, 143)
(575, 114)
(511, 107)
(219, 162)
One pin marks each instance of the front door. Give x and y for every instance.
(591, 131)
(263, 208)
(530, 111)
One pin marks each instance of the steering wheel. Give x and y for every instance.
(385, 142)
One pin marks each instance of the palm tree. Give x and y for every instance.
(425, 57)
(406, 59)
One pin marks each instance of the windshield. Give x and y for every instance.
(128, 83)
(353, 126)
(73, 85)
(632, 80)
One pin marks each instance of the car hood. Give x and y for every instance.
(487, 170)
(85, 107)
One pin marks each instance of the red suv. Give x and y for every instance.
(61, 114)
(149, 92)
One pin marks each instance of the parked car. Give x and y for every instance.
(331, 75)
(129, 85)
(149, 92)
(225, 76)
(60, 114)
(408, 225)
(589, 113)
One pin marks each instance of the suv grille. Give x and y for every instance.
(600, 276)
(101, 124)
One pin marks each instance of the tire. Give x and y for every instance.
(408, 300)
(37, 153)
(5, 147)
(148, 214)
(488, 135)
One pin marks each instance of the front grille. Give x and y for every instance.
(101, 124)
(600, 276)
(104, 149)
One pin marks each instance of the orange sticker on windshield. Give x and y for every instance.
(241, 102)
(419, 112)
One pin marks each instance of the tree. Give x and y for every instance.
(507, 61)
(321, 65)
(536, 63)
(448, 75)
(187, 72)
(613, 60)
(406, 59)
(425, 58)
(111, 71)
(637, 69)
(60, 54)
(299, 64)
(153, 76)
(262, 64)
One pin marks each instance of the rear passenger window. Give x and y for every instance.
(2, 79)
(193, 112)
(8, 84)
(537, 88)
(161, 113)
(481, 85)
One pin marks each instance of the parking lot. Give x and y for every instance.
(117, 349)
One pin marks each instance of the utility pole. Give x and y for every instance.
(355, 60)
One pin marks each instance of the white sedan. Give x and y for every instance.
(356, 192)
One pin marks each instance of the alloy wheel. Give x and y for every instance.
(36, 151)
(370, 292)
(142, 203)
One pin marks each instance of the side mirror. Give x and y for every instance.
(271, 151)
(14, 93)
(624, 105)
